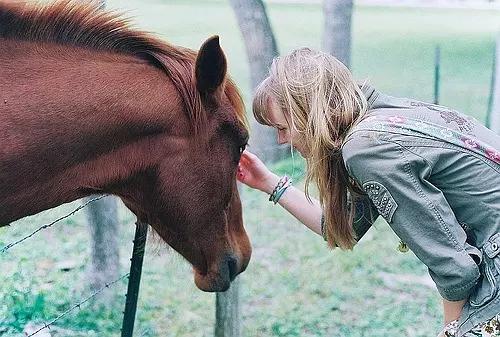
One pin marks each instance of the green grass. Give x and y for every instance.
(294, 285)
(393, 48)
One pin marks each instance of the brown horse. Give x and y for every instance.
(89, 105)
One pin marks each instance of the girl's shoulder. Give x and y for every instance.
(366, 149)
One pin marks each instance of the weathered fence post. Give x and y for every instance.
(227, 311)
(493, 116)
(437, 71)
(134, 279)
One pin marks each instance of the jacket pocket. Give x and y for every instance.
(487, 286)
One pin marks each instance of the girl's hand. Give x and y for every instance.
(253, 173)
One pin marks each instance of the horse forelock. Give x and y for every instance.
(236, 100)
(83, 24)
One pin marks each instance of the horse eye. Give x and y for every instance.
(242, 148)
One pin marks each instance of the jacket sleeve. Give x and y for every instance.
(398, 183)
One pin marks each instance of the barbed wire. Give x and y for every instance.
(10, 245)
(79, 304)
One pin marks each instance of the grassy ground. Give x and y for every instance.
(294, 285)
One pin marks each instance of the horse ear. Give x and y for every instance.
(211, 67)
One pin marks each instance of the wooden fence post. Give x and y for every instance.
(227, 311)
(437, 72)
(493, 116)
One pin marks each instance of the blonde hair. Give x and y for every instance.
(321, 102)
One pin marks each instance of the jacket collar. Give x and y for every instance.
(370, 93)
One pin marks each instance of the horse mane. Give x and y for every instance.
(83, 24)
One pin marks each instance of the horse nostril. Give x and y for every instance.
(232, 263)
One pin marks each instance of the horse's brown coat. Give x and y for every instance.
(89, 105)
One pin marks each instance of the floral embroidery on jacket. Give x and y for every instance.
(448, 115)
(384, 123)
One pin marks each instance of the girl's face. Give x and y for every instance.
(286, 134)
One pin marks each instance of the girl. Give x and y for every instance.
(432, 173)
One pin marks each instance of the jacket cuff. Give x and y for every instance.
(461, 291)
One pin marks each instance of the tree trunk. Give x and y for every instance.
(337, 29)
(103, 227)
(102, 221)
(261, 48)
(493, 119)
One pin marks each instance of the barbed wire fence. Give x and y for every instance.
(133, 276)
(79, 304)
(10, 245)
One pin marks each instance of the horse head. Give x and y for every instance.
(191, 198)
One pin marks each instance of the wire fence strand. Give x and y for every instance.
(10, 245)
(79, 304)
(88, 298)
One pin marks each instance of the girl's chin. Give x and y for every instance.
(301, 152)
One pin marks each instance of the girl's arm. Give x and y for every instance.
(294, 201)
(253, 173)
(452, 310)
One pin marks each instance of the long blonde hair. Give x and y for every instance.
(321, 102)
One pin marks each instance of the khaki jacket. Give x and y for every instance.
(434, 175)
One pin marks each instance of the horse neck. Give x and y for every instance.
(77, 124)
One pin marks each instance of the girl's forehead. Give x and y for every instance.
(275, 113)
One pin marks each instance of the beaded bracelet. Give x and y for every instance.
(280, 189)
(280, 184)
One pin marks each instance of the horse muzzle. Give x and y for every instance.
(219, 276)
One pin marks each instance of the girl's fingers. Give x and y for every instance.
(249, 158)
(243, 165)
(249, 155)
(243, 159)
(241, 170)
(244, 156)
(246, 162)
(241, 176)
